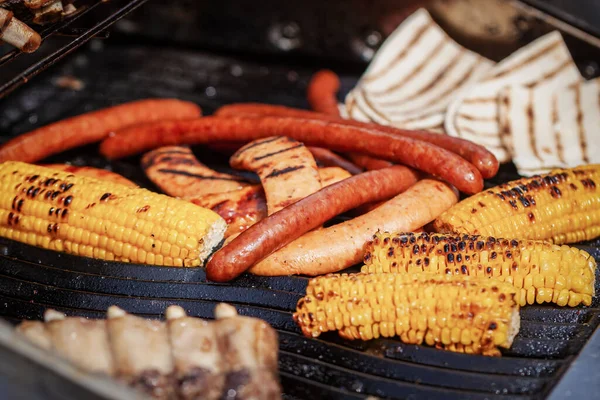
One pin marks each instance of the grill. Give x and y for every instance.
(33, 279)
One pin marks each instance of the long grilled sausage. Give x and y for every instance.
(342, 245)
(368, 163)
(290, 223)
(334, 135)
(478, 155)
(92, 127)
(322, 91)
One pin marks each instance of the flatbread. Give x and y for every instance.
(544, 64)
(546, 129)
(414, 76)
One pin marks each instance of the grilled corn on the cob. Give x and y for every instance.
(541, 271)
(562, 206)
(457, 313)
(88, 217)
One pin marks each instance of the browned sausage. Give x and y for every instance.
(290, 223)
(368, 163)
(334, 135)
(478, 155)
(93, 172)
(92, 127)
(328, 158)
(340, 246)
(322, 92)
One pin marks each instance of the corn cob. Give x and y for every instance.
(457, 313)
(562, 206)
(541, 272)
(93, 218)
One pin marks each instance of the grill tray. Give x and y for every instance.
(33, 279)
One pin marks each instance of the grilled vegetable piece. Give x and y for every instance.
(88, 217)
(456, 313)
(177, 172)
(541, 271)
(15, 32)
(287, 170)
(562, 206)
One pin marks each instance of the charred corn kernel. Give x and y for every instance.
(538, 269)
(562, 206)
(84, 216)
(458, 313)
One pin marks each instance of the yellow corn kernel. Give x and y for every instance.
(562, 206)
(538, 269)
(89, 217)
(431, 309)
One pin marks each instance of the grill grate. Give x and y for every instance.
(39, 61)
(34, 279)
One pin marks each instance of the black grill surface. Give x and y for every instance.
(33, 279)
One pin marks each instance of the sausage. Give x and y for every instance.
(328, 158)
(478, 155)
(243, 208)
(92, 172)
(322, 92)
(281, 228)
(177, 172)
(368, 163)
(342, 245)
(239, 208)
(287, 170)
(334, 135)
(92, 127)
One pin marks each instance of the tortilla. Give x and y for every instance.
(414, 76)
(545, 65)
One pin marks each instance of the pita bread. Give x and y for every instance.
(414, 76)
(544, 64)
(546, 129)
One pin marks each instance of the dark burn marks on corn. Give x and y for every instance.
(107, 196)
(588, 184)
(279, 172)
(53, 228)
(12, 219)
(143, 209)
(555, 192)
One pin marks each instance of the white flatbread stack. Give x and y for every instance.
(544, 128)
(413, 77)
(544, 66)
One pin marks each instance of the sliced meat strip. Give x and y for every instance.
(249, 347)
(199, 368)
(82, 341)
(141, 353)
(287, 170)
(177, 172)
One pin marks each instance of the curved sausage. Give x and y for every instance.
(281, 228)
(334, 135)
(368, 163)
(340, 246)
(322, 92)
(92, 172)
(328, 158)
(177, 172)
(478, 155)
(92, 127)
